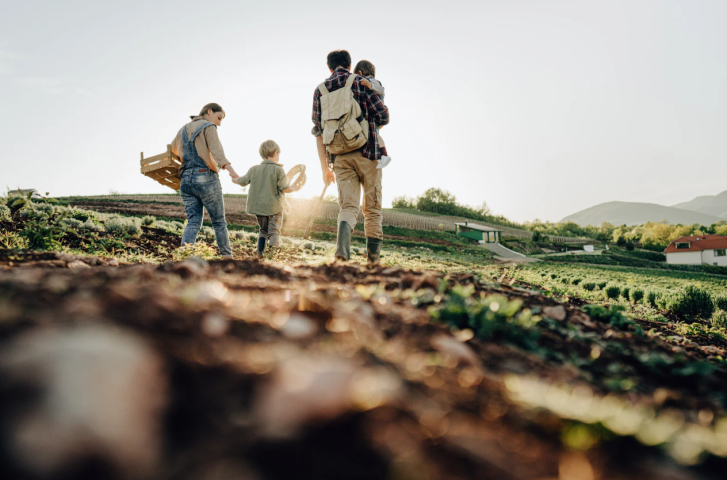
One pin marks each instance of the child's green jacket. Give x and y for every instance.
(267, 182)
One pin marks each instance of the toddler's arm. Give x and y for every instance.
(244, 180)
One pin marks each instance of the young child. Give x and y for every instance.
(366, 69)
(267, 183)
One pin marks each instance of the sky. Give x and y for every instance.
(539, 108)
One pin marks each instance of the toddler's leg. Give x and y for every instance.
(275, 226)
(264, 224)
(385, 158)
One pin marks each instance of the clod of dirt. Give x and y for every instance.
(79, 400)
(556, 313)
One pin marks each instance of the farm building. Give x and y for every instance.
(24, 193)
(477, 232)
(698, 250)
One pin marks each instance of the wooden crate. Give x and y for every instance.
(164, 168)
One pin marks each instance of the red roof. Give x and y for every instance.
(697, 243)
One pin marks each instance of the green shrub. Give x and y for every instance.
(133, 229)
(590, 286)
(720, 302)
(602, 285)
(565, 280)
(630, 246)
(692, 303)
(116, 226)
(93, 226)
(148, 221)
(637, 295)
(625, 292)
(613, 292)
(72, 223)
(719, 319)
(576, 281)
(651, 298)
(553, 276)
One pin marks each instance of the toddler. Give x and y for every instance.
(367, 70)
(268, 184)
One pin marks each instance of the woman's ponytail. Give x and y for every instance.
(215, 107)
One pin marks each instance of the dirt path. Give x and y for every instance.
(256, 370)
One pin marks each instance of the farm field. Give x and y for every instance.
(440, 363)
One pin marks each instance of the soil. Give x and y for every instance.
(272, 371)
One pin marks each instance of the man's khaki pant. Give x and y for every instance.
(354, 171)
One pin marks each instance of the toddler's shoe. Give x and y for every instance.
(385, 160)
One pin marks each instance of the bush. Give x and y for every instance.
(602, 285)
(576, 281)
(651, 298)
(553, 276)
(625, 292)
(133, 229)
(93, 226)
(719, 319)
(148, 221)
(621, 241)
(404, 202)
(590, 286)
(72, 223)
(207, 232)
(720, 303)
(613, 292)
(630, 246)
(637, 295)
(692, 303)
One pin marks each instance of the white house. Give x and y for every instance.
(698, 250)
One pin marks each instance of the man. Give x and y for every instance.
(357, 169)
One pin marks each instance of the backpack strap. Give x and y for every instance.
(349, 81)
(322, 88)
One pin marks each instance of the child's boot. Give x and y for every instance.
(260, 246)
(373, 250)
(343, 241)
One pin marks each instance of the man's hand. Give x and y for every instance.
(328, 177)
(366, 84)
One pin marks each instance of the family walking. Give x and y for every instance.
(348, 111)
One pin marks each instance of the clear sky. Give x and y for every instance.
(540, 108)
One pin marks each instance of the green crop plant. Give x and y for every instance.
(589, 286)
(491, 317)
(72, 223)
(613, 292)
(625, 292)
(576, 281)
(4, 212)
(148, 221)
(692, 304)
(720, 302)
(602, 285)
(719, 319)
(637, 295)
(651, 298)
(614, 317)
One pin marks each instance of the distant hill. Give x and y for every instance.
(636, 213)
(707, 204)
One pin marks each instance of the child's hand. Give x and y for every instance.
(234, 180)
(366, 83)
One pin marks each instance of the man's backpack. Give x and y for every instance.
(344, 127)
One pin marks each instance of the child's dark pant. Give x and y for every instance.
(270, 228)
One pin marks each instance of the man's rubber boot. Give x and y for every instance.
(373, 250)
(260, 246)
(343, 242)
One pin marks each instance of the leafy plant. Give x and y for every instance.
(637, 295)
(148, 221)
(614, 317)
(589, 286)
(651, 298)
(692, 303)
(625, 292)
(613, 292)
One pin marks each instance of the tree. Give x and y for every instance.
(438, 201)
(404, 202)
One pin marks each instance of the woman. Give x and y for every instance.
(199, 147)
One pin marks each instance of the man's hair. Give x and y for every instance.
(366, 68)
(215, 107)
(268, 149)
(339, 58)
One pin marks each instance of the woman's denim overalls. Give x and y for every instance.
(201, 189)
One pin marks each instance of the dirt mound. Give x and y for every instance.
(243, 369)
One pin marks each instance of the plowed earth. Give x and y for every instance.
(258, 370)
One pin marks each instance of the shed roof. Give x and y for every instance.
(481, 228)
(697, 243)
